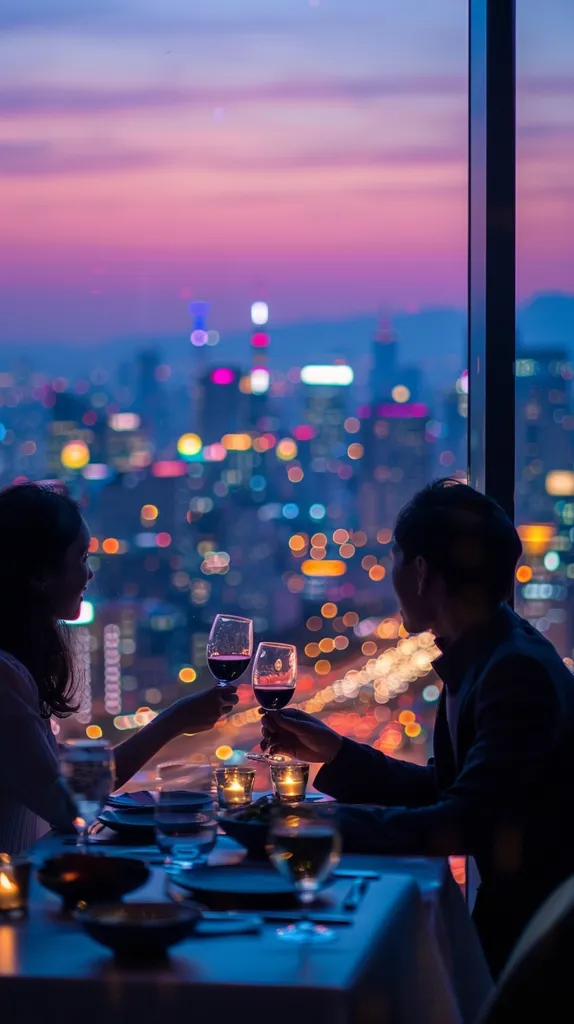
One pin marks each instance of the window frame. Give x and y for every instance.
(492, 248)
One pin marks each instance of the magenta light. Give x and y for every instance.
(260, 340)
(223, 375)
(304, 432)
(405, 411)
(169, 468)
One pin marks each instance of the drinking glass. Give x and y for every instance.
(230, 647)
(88, 768)
(185, 825)
(274, 675)
(305, 847)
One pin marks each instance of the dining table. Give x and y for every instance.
(406, 951)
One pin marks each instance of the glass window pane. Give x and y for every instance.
(545, 285)
(234, 289)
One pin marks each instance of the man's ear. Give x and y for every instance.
(422, 568)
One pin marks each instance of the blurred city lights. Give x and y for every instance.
(560, 482)
(236, 442)
(75, 455)
(286, 449)
(317, 511)
(536, 537)
(552, 561)
(222, 375)
(330, 376)
(400, 393)
(149, 512)
(259, 313)
(187, 675)
(121, 421)
(259, 380)
(327, 567)
(189, 445)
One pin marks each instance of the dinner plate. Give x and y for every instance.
(122, 821)
(237, 888)
(135, 803)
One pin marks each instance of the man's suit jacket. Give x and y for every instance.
(502, 793)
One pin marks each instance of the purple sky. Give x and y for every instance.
(312, 151)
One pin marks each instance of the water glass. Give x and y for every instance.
(88, 768)
(185, 826)
(305, 846)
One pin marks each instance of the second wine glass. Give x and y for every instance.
(230, 647)
(274, 675)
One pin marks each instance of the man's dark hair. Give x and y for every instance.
(464, 536)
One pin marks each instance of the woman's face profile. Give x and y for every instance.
(65, 589)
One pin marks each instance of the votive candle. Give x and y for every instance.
(234, 786)
(11, 900)
(289, 781)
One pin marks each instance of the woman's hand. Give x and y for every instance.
(299, 735)
(199, 712)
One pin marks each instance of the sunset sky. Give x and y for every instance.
(311, 151)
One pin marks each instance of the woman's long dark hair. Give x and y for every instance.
(37, 526)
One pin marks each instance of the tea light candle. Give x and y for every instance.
(11, 903)
(290, 780)
(234, 786)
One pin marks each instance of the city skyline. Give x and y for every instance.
(313, 153)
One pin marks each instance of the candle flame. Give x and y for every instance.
(6, 883)
(79, 823)
(235, 786)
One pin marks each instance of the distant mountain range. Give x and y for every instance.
(434, 340)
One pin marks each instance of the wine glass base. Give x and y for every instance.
(306, 933)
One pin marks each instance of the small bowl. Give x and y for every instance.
(136, 930)
(250, 834)
(91, 878)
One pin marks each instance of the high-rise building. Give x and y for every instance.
(221, 406)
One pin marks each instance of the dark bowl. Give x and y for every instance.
(250, 834)
(91, 878)
(136, 930)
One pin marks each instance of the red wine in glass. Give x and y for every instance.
(227, 667)
(273, 698)
(274, 675)
(230, 647)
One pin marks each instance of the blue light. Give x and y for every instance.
(317, 511)
(2, 431)
(290, 510)
(431, 693)
(258, 483)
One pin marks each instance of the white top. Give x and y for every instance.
(32, 794)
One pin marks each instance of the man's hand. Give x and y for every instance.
(199, 712)
(299, 735)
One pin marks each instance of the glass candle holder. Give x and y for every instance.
(12, 900)
(234, 786)
(289, 781)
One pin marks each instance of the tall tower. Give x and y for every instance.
(260, 377)
(384, 361)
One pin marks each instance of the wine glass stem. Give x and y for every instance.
(306, 898)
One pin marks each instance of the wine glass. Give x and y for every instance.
(305, 847)
(274, 675)
(230, 647)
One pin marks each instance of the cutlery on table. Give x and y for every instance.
(355, 894)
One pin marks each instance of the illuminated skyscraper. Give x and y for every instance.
(384, 362)
(259, 378)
